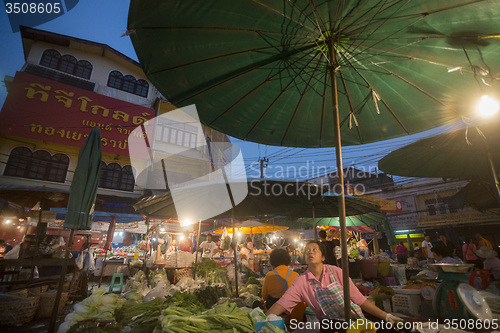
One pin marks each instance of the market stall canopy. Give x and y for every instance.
(265, 198)
(29, 196)
(478, 194)
(367, 219)
(458, 154)
(252, 227)
(361, 228)
(100, 216)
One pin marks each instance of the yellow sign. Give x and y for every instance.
(411, 236)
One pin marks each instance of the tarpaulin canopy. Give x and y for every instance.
(285, 198)
(252, 227)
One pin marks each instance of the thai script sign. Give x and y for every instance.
(46, 110)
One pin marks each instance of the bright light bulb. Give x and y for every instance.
(7, 221)
(185, 222)
(295, 240)
(162, 229)
(182, 237)
(239, 234)
(487, 106)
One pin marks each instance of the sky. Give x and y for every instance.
(105, 22)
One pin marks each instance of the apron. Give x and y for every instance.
(270, 300)
(331, 300)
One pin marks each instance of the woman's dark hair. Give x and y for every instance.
(322, 246)
(322, 234)
(279, 257)
(248, 239)
(468, 239)
(441, 250)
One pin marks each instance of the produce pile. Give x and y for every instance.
(188, 306)
(179, 313)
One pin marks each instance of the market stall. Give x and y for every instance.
(252, 227)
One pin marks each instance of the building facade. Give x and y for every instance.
(67, 86)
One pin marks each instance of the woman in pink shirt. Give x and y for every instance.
(321, 288)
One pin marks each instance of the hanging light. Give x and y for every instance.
(487, 106)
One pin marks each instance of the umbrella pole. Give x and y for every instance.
(375, 243)
(196, 252)
(314, 224)
(102, 269)
(234, 254)
(55, 309)
(340, 174)
(493, 170)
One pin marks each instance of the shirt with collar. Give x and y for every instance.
(302, 290)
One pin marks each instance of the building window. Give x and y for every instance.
(179, 134)
(66, 63)
(37, 165)
(113, 176)
(128, 83)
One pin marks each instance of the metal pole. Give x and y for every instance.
(496, 185)
(197, 248)
(315, 237)
(234, 253)
(340, 174)
(55, 310)
(375, 243)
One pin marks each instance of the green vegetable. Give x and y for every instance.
(209, 295)
(204, 267)
(226, 244)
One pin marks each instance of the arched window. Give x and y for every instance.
(51, 58)
(115, 80)
(83, 69)
(113, 176)
(66, 63)
(38, 165)
(142, 88)
(128, 83)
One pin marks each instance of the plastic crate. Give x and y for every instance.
(407, 304)
(278, 323)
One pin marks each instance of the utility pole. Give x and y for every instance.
(263, 164)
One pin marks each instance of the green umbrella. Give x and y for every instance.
(458, 154)
(468, 153)
(82, 195)
(389, 232)
(83, 190)
(311, 73)
(367, 219)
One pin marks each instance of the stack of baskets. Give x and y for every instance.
(47, 302)
(17, 310)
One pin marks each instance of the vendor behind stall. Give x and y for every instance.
(279, 279)
(186, 244)
(321, 288)
(208, 247)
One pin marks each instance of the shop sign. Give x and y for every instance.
(45, 110)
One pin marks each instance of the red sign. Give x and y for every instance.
(46, 110)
